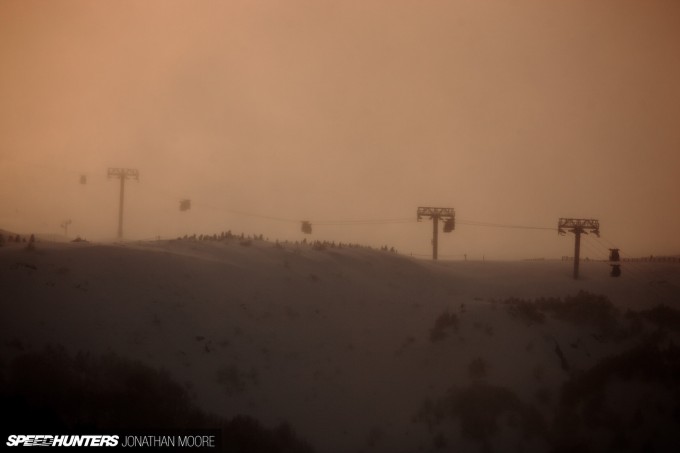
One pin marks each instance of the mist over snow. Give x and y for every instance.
(265, 114)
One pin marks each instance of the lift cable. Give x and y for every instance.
(502, 225)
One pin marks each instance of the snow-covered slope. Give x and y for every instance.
(340, 343)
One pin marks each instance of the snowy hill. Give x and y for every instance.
(358, 350)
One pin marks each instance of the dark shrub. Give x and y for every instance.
(661, 316)
(52, 391)
(525, 310)
(584, 309)
(478, 408)
(477, 369)
(585, 409)
(444, 322)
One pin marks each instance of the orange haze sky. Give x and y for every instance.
(510, 112)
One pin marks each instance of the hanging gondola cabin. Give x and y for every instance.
(184, 205)
(448, 225)
(306, 227)
(83, 179)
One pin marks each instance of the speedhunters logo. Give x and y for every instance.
(36, 440)
(178, 440)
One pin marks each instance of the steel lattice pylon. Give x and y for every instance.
(448, 215)
(122, 174)
(578, 227)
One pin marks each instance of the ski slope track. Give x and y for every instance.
(340, 343)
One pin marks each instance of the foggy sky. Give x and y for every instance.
(510, 112)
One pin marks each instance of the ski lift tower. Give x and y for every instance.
(448, 215)
(578, 227)
(122, 174)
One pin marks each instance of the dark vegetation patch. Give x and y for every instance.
(478, 369)
(560, 355)
(595, 311)
(588, 414)
(319, 246)
(584, 309)
(235, 381)
(54, 391)
(584, 408)
(30, 266)
(662, 316)
(525, 310)
(444, 323)
(628, 401)
(480, 408)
